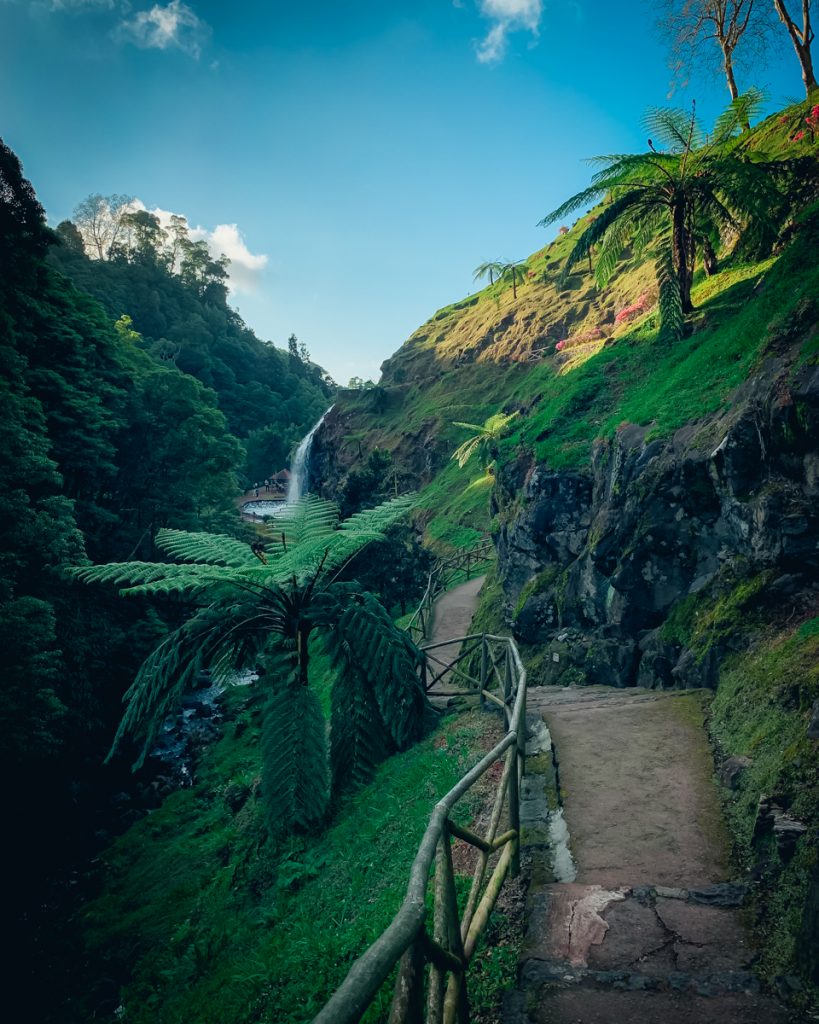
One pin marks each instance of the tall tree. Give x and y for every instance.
(265, 602)
(99, 219)
(498, 270)
(664, 202)
(802, 37)
(706, 33)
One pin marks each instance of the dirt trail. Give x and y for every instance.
(452, 616)
(651, 929)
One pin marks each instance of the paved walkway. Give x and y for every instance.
(650, 929)
(452, 617)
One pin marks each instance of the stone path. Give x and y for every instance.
(452, 617)
(644, 924)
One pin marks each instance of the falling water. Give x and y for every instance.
(300, 464)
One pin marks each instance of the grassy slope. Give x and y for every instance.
(492, 351)
(760, 711)
(201, 919)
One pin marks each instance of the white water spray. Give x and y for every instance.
(301, 461)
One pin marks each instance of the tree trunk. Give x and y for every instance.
(728, 64)
(709, 258)
(514, 285)
(680, 245)
(801, 39)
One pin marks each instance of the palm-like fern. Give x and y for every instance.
(498, 270)
(664, 201)
(484, 438)
(266, 602)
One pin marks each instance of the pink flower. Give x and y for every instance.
(784, 119)
(560, 345)
(798, 136)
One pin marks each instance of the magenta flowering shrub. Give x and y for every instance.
(593, 334)
(628, 312)
(812, 121)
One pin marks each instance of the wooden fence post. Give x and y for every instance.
(484, 666)
(408, 1001)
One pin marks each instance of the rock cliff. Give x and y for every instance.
(610, 567)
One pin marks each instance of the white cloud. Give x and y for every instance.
(225, 239)
(245, 266)
(507, 16)
(175, 26)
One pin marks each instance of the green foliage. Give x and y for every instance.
(200, 917)
(176, 302)
(666, 199)
(760, 711)
(485, 438)
(268, 598)
(295, 784)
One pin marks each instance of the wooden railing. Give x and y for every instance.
(433, 951)
(443, 575)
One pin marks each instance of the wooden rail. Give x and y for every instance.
(443, 575)
(433, 951)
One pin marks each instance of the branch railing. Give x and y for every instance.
(440, 579)
(433, 951)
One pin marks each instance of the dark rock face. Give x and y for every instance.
(594, 561)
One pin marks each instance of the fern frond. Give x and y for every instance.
(382, 516)
(675, 129)
(153, 577)
(670, 300)
(737, 115)
(358, 739)
(597, 229)
(218, 634)
(210, 548)
(306, 519)
(295, 786)
(364, 636)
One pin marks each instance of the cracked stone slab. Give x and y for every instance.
(636, 939)
(706, 938)
(567, 922)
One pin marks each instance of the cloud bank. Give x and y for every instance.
(507, 16)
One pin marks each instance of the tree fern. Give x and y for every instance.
(265, 602)
(696, 186)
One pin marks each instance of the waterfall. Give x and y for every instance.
(301, 461)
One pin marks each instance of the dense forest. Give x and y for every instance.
(134, 398)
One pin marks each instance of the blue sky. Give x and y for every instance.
(356, 159)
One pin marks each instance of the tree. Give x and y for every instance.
(23, 231)
(693, 26)
(146, 236)
(99, 219)
(485, 438)
(268, 603)
(802, 38)
(663, 202)
(497, 270)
